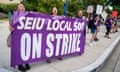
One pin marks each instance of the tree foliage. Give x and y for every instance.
(45, 6)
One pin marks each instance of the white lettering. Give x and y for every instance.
(58, 37)
(28, 23)
(25, 46)
(50, 49)
(64, 44)
(21, 19)
(36, 51)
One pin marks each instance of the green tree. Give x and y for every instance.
(45, 6)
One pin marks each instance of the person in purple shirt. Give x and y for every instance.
(108, 24)
(54, 13)
(20, 8)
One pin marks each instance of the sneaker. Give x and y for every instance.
(48, 61)
(96, 39)
(27, 67)
(105, 35)
(21, 68)
(116, 30)
(94, 43)
(60, 58)
(109, 37)
(91, 44)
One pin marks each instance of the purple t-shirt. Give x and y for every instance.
(108, 23)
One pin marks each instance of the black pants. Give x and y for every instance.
(108, 30)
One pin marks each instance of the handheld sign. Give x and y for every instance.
(99, 9)
(90, 9)
(104, 15)
(114, 13)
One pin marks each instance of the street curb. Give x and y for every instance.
(102, 58)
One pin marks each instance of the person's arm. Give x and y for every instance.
(10, 25)
(96, 22)
(10, 17)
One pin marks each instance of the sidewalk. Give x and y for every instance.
(68, 64)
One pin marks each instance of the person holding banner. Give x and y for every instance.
(20, 8)
(79, 14)
(53, 13)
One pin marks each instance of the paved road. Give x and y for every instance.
(113, 62)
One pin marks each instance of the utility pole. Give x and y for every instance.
(65, 7)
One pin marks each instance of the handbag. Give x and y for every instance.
(9, 40)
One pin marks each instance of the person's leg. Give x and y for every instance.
(88, 30)
(107, 32)
(93, 31)
(116, 29)
(113, 28)
(92, 39)
(96, 38)
(118, 24)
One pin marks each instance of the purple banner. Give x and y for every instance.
(38, 37)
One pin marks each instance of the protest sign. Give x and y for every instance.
(37, 37)
(114, 13)
(104, 15)
(99, 9)
(90, 9)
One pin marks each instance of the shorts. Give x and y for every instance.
(93, 31)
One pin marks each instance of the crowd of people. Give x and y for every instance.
(93, 22)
